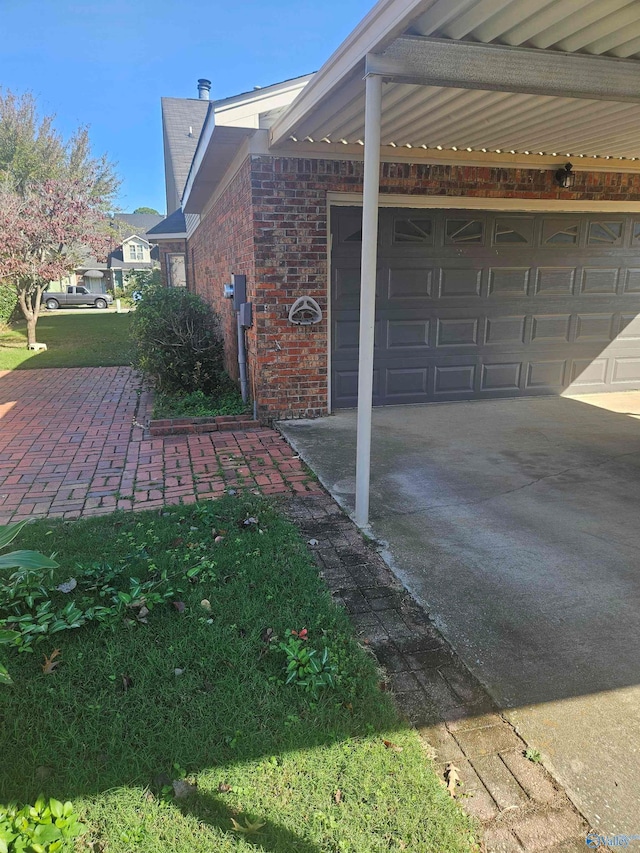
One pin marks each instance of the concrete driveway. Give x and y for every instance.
(517, 524)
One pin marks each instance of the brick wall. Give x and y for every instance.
(271, 224)
(169, 247)
(222, 245)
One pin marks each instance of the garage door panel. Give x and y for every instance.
(501, 377)
(410, 283)
(405, 334)
(552, 281)
(408, 383)
(629, 327)
(509, 281)
(459, 283)
(595, 327)
(550, 328)
(546, 374)
(529, 304)
(589, 372)
(632, 281)
(501, 331)
(626, 371)
(599, 281)
(458, 332)
(455, 379)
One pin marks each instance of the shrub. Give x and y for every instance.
(177, 342)
(8, 302)
(137, 281)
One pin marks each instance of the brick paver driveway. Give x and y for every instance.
(73, 443)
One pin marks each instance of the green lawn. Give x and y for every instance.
(79, 339)
(198, 693)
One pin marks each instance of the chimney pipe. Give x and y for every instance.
(204, 87)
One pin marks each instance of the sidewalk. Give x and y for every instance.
(73, 443)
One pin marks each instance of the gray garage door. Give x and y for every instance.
(474, 304)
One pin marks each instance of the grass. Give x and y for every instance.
(114, 723)
(199, 405)
(81, 339)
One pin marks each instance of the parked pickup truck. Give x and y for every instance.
(75, 296)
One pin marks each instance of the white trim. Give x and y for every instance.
(474, 203)
(178, 235)
(201, 149)
(402, 154)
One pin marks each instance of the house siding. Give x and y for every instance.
(271, 224)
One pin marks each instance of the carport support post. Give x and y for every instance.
(371, 189)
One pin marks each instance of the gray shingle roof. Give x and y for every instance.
(137, 223)
(173, 224)
(178, 116)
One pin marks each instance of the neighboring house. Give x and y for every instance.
(136, 249)
(497, 270)
(133, 249)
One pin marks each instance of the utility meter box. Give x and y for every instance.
(239, 290)
(246, 315)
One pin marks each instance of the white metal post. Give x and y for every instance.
(371, 188)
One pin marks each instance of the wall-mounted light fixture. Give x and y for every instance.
(565, 177)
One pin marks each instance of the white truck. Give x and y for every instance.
(75, 296)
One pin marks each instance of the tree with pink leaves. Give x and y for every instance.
(53, 203)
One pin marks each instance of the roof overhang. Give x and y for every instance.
(216, 150)
(526, 95)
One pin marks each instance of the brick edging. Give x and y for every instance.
(517, 803)
(182, 426)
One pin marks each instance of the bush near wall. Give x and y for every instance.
(177, 342)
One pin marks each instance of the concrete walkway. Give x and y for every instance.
(515, 523)
(73, 443)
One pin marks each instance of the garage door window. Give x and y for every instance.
(513, 232)
(465, 231)
(605, 233)
(413, 231)
(560, 233)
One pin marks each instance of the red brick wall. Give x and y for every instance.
(271, 224)
(224, 244)
(169, 247)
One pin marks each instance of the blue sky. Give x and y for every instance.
(107, 64)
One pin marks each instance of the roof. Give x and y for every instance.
(173, 225)
(182, 120)
(137, 224)
(443, 116)
(229, 122)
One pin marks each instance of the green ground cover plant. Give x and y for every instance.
(198, 404)
(175, 728)
(79, 338)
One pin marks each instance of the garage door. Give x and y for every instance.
(474, 304)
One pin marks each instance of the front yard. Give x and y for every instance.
(175, 729)
(77, 338)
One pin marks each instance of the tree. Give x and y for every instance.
(147, 210)
(54, 196)
(32, 151)
(46, 231)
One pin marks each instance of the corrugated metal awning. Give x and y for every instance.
(331, 108)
